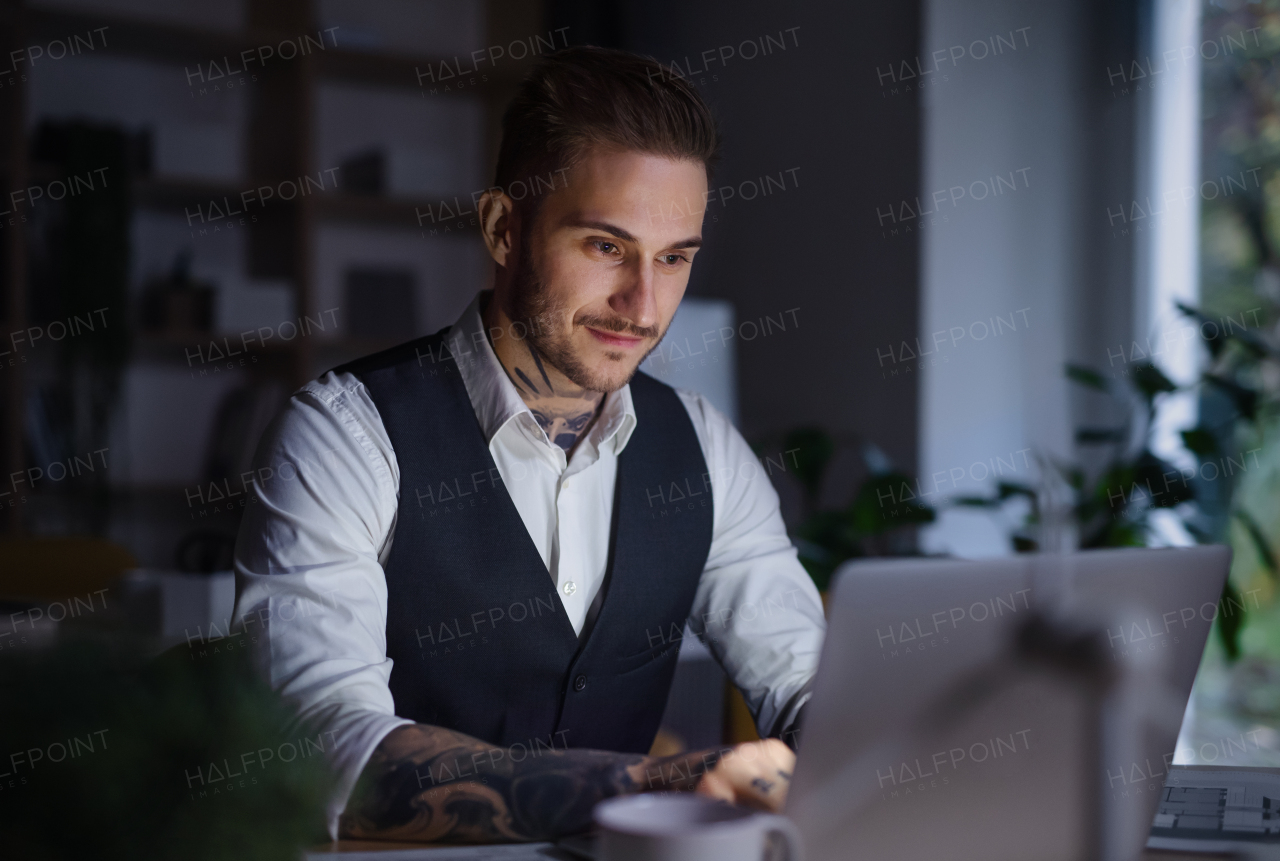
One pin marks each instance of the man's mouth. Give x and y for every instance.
(612, 339)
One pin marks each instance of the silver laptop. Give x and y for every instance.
(1013, 708)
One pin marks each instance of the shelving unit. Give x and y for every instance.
(13, 162)
(280, 144)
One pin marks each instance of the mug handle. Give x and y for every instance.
(778, 827)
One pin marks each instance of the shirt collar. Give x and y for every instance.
(496, 401)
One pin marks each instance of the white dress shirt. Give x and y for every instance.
(310, 589)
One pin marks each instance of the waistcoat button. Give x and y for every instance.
(579, 683)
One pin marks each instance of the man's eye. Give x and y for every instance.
(606, 247)
(673, 259)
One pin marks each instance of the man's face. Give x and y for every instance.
(606, 261)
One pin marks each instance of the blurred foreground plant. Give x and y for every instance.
(113, 756)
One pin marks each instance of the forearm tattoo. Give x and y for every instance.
(425, 783)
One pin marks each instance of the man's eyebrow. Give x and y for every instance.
(613, 230)
(604, 227)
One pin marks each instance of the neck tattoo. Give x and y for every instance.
(563, 415)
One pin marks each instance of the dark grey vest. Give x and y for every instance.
(480, 640)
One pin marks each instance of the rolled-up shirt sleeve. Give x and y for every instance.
(756, 607)
(310, 590)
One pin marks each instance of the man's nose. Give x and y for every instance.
(635, 301)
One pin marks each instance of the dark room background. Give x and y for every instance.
(932, 280)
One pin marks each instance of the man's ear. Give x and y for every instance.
(497, 223)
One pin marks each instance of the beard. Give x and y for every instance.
(549, 327)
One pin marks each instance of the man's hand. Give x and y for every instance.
(756, 774)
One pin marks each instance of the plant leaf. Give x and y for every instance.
(1025, 544)
(1259, 542)
(1200, 441)
(1117, 532)
(1087, 377)
(1230, 623)
(1115, 489)
(1151, 381)
(1197, 532)
(812, 448)
(1244, 398)
(1164, 482)
(1217, 342)
(1245, 337)
(976, 501)
(880, 505)
(1006, 489)
(1097, 436)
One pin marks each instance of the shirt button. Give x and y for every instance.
(579, 683)
(570, 587)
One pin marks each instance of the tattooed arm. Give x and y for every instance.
(435, 785)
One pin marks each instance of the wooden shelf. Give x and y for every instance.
(278, 142)
(174, 347)
(187, 46)
(154, 341)
(157, 193)
(357, 346)
(136, 37)
(392, 70)
(390, 211)
(179, 196)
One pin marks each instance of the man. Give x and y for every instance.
(468, 563)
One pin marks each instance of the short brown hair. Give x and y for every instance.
(584, 97)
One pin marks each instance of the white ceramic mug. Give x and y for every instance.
(681, 826)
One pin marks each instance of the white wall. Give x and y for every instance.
(1092, 140)
(223, 15)
(1167, 267)
(1012, 253)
